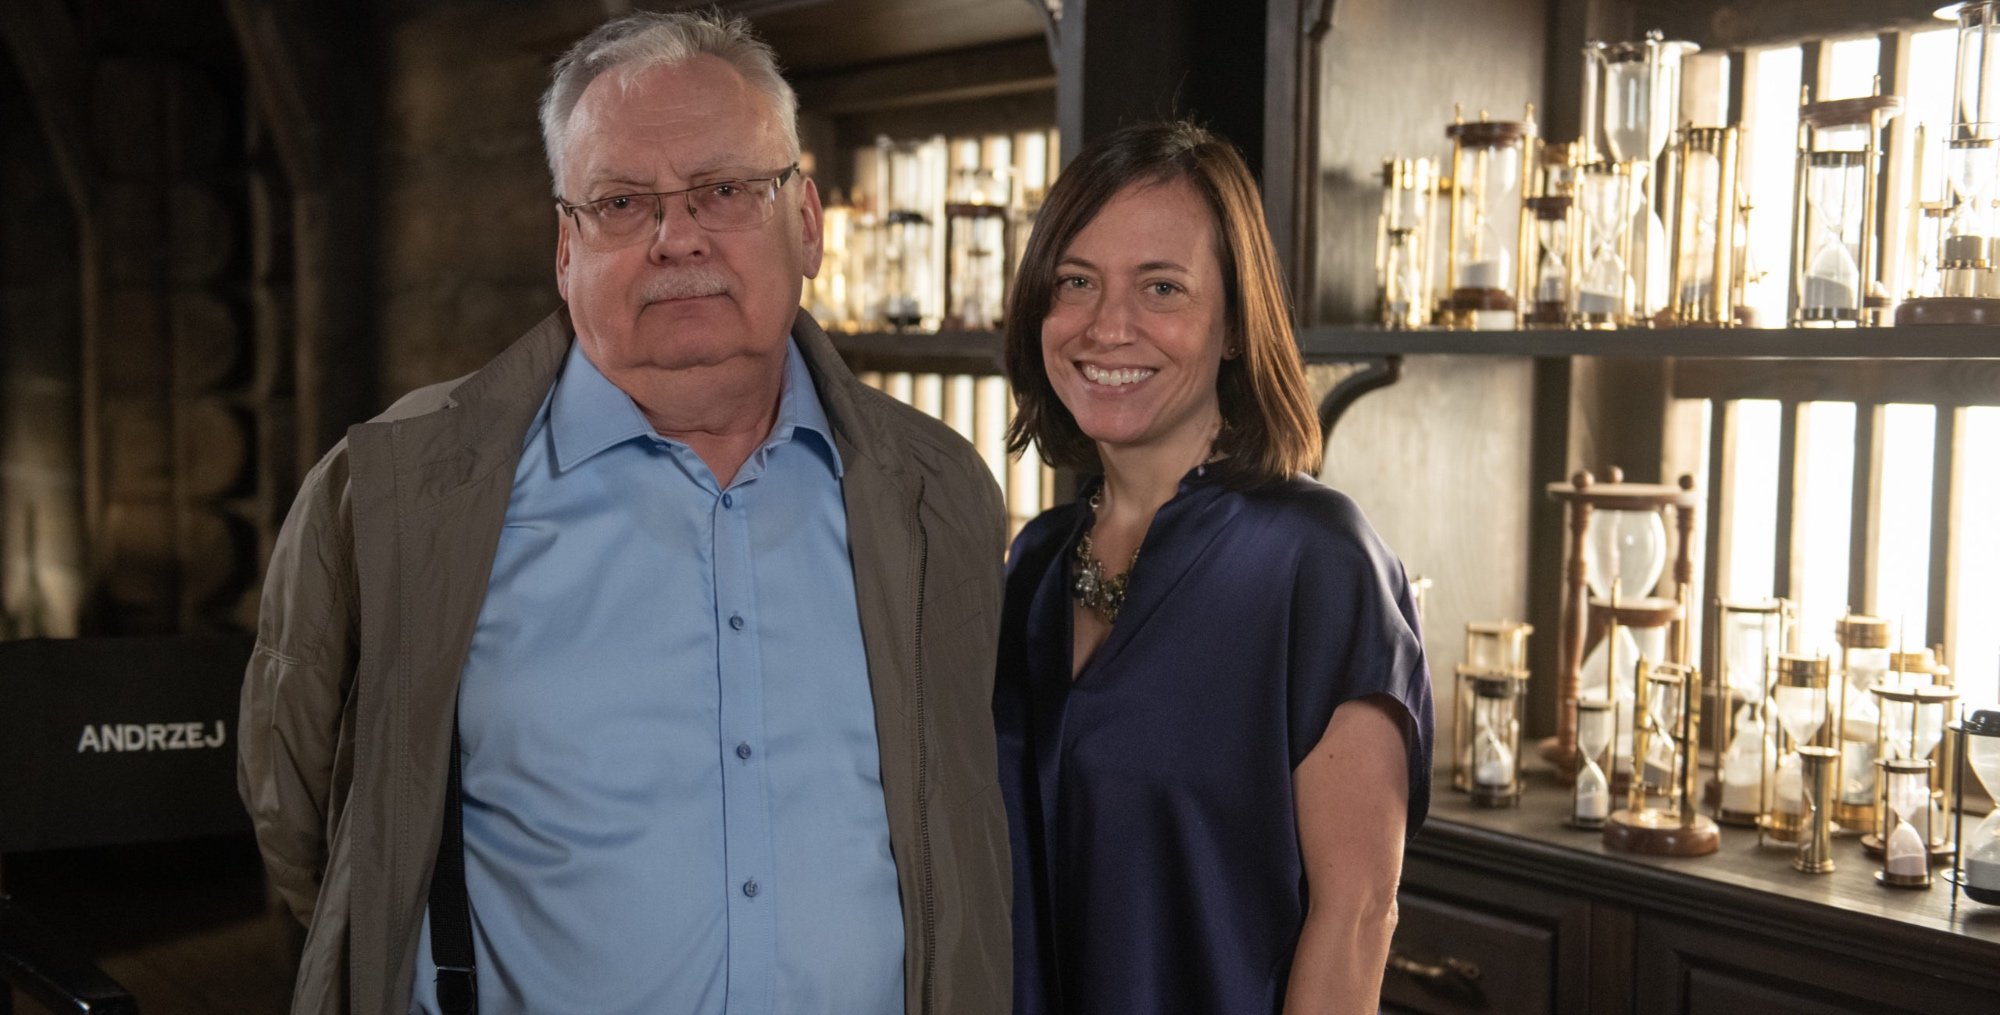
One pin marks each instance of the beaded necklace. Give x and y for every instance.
(1095, 589)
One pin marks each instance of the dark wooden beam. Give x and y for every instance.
(312, 78)
(46, 47)
(1939, 382)
(1737, 23)
(1121, 63)
(1006, 69)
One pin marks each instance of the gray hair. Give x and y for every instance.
(645, 40)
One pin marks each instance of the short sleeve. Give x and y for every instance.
(1355, 633)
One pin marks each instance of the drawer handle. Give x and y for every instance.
(1445, 972)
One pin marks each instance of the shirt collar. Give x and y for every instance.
(588, 414)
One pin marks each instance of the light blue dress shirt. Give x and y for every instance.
(673, 793)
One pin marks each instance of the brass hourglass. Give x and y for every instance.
(1799, 702)
(1704, 220)
(1482, 225)
(1665, 730)
(1836, 255)
(1748, 637)
(1966, 289)
(1864, 661)
(1403, 242)
(1911, 726)
(1491, 692)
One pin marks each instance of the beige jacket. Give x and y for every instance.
(368, 612)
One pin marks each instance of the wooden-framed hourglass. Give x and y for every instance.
(1617, 549)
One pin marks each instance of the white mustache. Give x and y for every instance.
(683, 284)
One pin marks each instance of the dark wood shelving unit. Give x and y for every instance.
(1933, 342)
(1510, 910)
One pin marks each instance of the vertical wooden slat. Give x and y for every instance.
(1784, 569)
(1945, 481)
(1722, 499)
(1865, 521)
(1891, 222)
(1812, 66)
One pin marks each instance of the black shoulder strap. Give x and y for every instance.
(451, 911)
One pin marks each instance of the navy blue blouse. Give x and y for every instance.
(1156, 850)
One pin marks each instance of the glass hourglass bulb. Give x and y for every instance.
(1742, 763)
(1833, 276)
(1628, 110)
(1493, 760)
(1552, 275)
(1630, 546)
(1744, 664)
(1662, 715)
(1801, 711)
(1787, 787)
(1929, 722)
(1906, 852)
(1594, 681)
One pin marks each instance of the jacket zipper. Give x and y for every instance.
(923, 778)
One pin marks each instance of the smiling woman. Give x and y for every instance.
(1256, 614)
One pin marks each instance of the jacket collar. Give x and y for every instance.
(484, 418)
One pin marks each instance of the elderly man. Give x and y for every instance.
(687, 634)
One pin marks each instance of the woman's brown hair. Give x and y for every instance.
(1269, 430)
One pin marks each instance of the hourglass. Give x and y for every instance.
(909, 200)
(1590, 800)
(1617, 539)
(1403, 242)
(1487, 709)
(1906, 808)
(1704, 222)
(1912, 724)
(1496, 739)
(1748, 636)
(1604, 282)
(1631, 106)
(1799, 701)
(1864, 660)
(1483, 226)
(1665, 725)
(1837, 277)
(1967, 290)
(1976, 744)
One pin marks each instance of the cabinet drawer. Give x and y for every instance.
(1449, 958)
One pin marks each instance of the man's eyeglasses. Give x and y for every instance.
(719, 206)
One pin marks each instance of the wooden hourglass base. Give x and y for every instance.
(1658, 833)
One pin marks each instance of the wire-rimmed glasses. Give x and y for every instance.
(717, 206)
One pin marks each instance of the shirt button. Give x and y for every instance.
(736, 621)
(750, 888)
(743, 751)
(728, 501)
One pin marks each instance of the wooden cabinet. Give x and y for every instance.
(1509, 911)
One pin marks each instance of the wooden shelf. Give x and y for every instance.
(940, 352)
(1935, 342)
(1753, 879)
